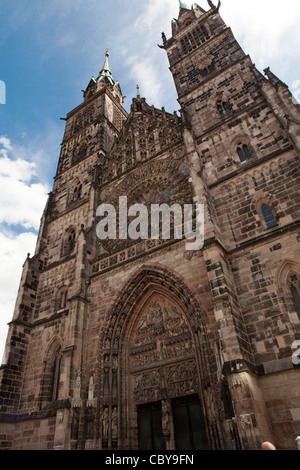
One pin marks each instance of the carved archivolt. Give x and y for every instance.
(155, 348)
(134, 289)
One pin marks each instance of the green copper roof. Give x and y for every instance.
(183, 5)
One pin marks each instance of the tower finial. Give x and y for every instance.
(138, 95)
(106, 65)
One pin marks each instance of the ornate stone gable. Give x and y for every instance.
(147, 133)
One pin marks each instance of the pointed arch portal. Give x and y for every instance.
(155, 376)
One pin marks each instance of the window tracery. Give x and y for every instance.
(268, 215)
(243, 152)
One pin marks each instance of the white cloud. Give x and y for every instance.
(146, 64)
(16, 170)
(5, 142)
(264, 29)
(155, 15)
(13, 251)
(21, 201)
(269, 29)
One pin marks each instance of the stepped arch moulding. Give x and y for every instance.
(156, 348)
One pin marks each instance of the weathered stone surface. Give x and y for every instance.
(103, 328)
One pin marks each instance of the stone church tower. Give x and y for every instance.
(143, 344)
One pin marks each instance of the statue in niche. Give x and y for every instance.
(91, 389)
(78, 384)
(77, 390)
(90, 424)
(75, 424)
(166, 428)
(105, 423)
(114, 423)
(60, 417)
(115, 361)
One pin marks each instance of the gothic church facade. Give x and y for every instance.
(143, 344)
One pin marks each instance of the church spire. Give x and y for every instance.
(105, 73)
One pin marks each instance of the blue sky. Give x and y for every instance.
(49, 50)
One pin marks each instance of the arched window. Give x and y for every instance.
(268, 216)
(243, 152)
(295, 291)
(61, 299)
(223, 106)
(52, 373)
(80, 152)
(71, 241)
(55, 375)
(77, 192)
(68, 244)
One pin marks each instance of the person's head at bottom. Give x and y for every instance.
(267, 446)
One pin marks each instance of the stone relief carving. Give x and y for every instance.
(162, 335)
(149, 135)
(246, 422)
(182, 379)
(60, 416)
(147, 386)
